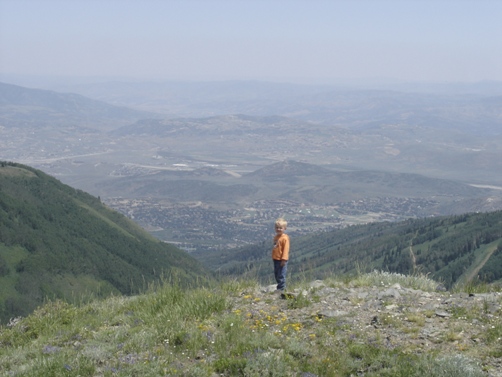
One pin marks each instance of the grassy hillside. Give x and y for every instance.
(373, 325)
(452, 249)
(58, 242)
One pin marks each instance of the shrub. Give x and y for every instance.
(448, 366)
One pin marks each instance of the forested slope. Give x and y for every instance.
(56, 241)
(452, 249)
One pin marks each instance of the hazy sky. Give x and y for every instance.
(288, 40)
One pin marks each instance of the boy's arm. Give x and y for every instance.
(285, 251)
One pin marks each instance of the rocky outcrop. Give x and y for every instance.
(411, 320)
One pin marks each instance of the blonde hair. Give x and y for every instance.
(281, 222)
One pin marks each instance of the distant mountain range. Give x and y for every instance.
(25, 107)
(59, 242)
(444, 134)
(472, 108)
(236, 125)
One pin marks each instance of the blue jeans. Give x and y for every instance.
(280, 274)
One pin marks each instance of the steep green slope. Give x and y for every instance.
(56, 241)
(452, 249)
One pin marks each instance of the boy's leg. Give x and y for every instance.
(280, 274)
(277, 271)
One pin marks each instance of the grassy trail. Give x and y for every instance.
(478, 268)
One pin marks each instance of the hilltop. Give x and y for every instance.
(376, 324)
(59, 242)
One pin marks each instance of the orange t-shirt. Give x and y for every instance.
(280, 250)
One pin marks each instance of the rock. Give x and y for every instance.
(317, 284)
(442, 314)
(362, 295)
(326, 291)
(332, 313)
(269, 289)
(392, 292)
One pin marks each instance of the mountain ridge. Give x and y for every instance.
(68, 109)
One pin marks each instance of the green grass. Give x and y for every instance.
(385, 279)
(171, 331)
(469, 277)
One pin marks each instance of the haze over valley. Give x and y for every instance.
(210, 165)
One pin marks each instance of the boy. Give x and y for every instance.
(280, 254)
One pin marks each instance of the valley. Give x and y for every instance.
(195, 226)
(208, 177)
